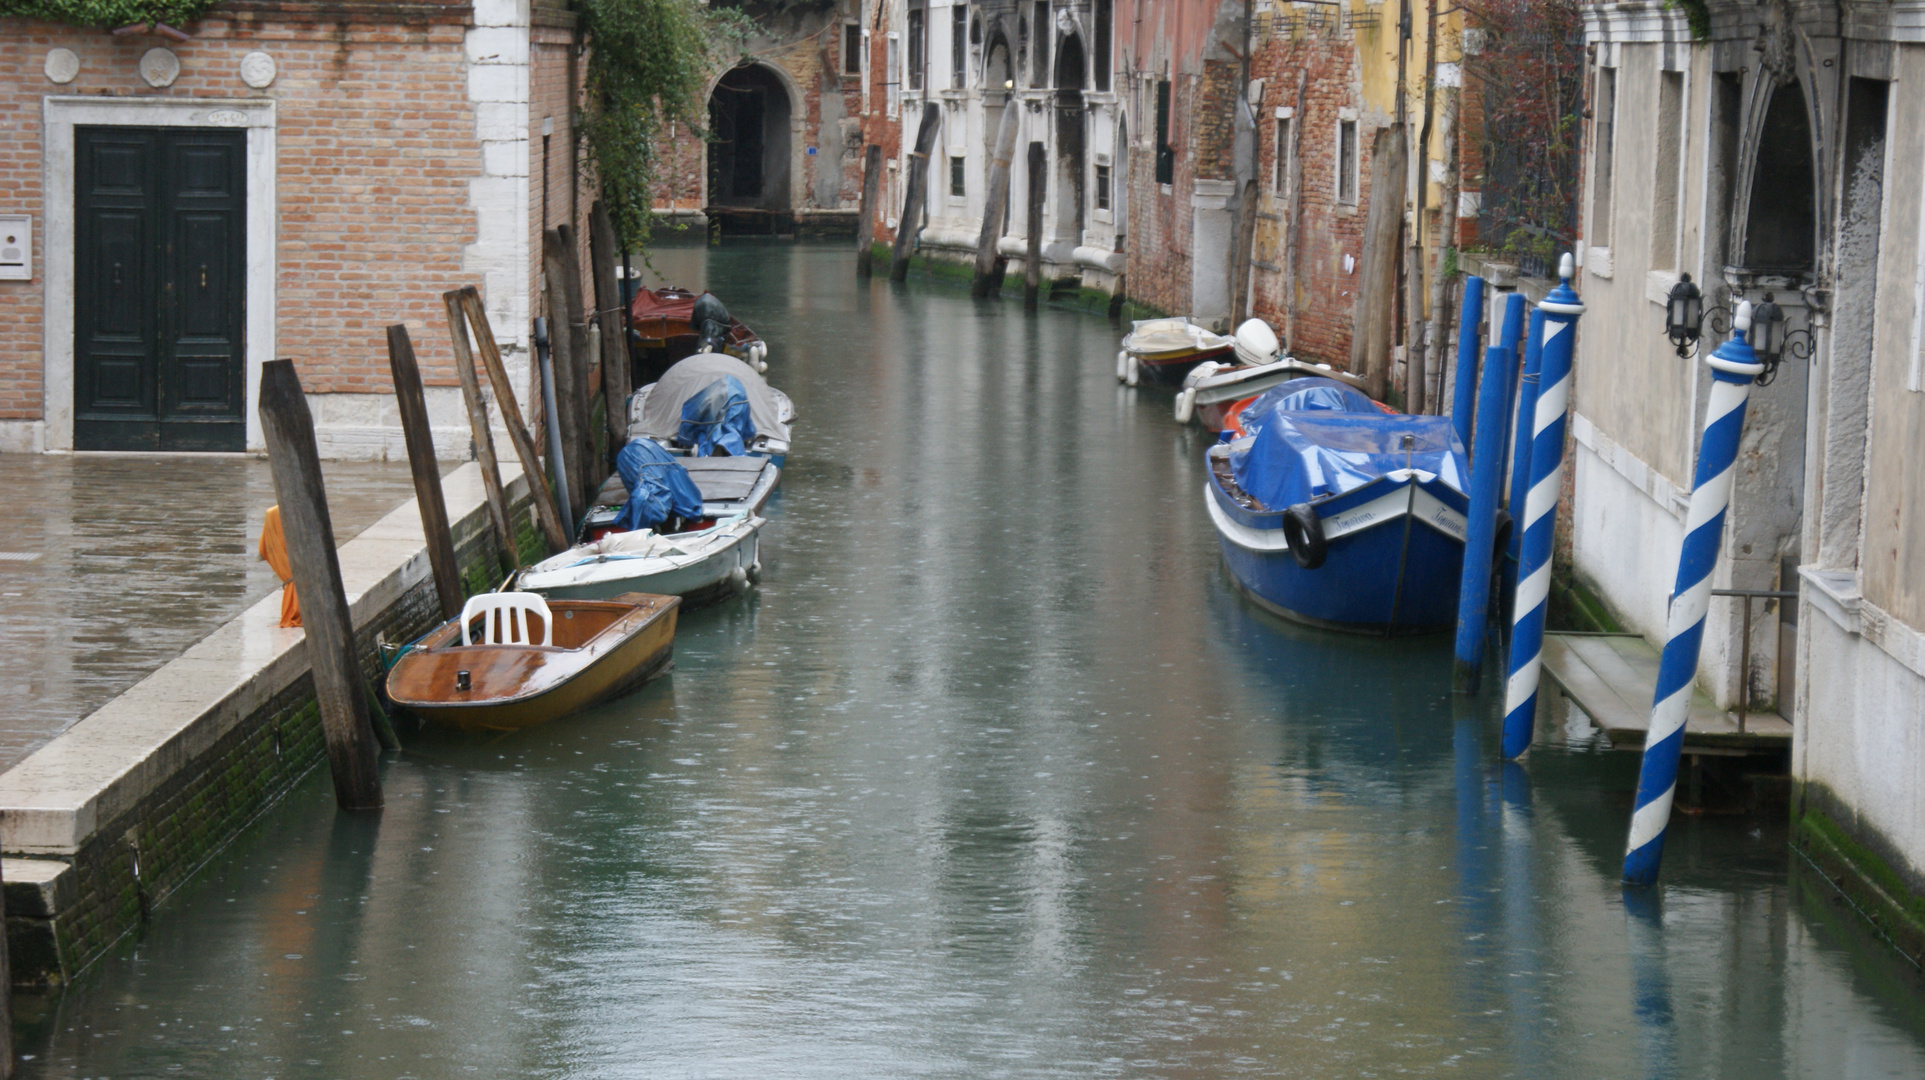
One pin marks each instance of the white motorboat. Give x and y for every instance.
(698, 566)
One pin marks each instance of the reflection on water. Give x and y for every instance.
(995, 776)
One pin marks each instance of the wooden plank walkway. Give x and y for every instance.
(1611, 678)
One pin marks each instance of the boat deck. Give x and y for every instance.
(1611, 679)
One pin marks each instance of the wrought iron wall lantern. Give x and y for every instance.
(1771, 337)
(1684, 316)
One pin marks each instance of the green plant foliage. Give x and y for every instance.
(1697, 15)
(107, 13)
(648, 63)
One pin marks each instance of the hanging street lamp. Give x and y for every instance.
(1684, 315)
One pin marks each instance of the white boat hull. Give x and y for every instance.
(694, 566)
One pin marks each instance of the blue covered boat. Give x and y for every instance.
(1334, 513)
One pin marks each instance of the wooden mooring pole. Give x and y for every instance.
(989, 261)
(478, 430)
(915, 187)
(1033, 257)
(412, 402)
(570, 371)
(866, 223)
(588, 473)
(544, 500)
(296, 464)
(608, 304)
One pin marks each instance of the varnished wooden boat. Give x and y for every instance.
(524, 670)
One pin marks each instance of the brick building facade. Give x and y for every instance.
(376, 156)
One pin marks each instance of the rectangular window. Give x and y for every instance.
(916, 47)
(1280, 182)
(1039, 40)
(1102, 33)
(852, 49)
(1664, 200)
(958, 46)
(1102, 187)
(1603, 105)
(958, 170)
(1165, 155)
(1347, 162)
(894, 62)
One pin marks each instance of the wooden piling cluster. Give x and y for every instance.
(591, 357)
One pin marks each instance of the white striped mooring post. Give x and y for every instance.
(1539, 519)
(1733, 367)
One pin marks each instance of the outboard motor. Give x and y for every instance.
(711, 322)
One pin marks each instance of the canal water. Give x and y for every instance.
(995, 776)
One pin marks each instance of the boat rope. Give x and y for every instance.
(1733, 367)
(1531, 603)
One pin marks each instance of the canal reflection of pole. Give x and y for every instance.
(1524, 987)
(1650, 986)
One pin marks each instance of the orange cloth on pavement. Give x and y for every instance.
(274, 554)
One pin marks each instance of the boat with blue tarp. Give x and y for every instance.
(1333, 512)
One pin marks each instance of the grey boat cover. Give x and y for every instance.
(662, 414)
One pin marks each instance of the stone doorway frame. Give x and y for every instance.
(59, 116)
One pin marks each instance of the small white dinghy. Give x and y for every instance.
(699, 566)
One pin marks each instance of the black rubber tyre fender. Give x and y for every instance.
(1303, 531)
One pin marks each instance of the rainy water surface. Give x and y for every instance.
(994, 776)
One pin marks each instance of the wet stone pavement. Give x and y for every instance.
(993, 775)
(112, 565)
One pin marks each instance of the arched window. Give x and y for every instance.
(1781, 218)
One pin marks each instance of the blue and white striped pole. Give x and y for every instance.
(1464, 389)
(1539, 519)
(1486, 482)
(1521, 448)
(1733, 367)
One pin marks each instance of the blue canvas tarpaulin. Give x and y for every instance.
(718, 416)
(1313, 438)
(657, 487)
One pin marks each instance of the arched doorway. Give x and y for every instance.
(748, 158)
(1071, 149)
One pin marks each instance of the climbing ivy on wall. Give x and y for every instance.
(108, 13)
(649, 62)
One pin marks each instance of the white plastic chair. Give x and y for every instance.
(510, 612)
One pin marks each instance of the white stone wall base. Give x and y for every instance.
(23, 436)
(1860, 731)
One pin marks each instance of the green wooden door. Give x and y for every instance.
(160, 249)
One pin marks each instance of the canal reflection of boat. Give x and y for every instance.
(702, 401)
(665, 326)
(1335, 514)
(513, 659)
(1163, 351)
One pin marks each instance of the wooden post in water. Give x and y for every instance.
(478, 429)
(511, 419)
(588, 474)
(1033, 257)
(987, 258)
(296, 464)
(6, 995)
(568, 363)
(912, 199)
(608, 302)
(411, 400)
(866, 223)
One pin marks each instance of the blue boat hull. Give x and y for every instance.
(1393, 565)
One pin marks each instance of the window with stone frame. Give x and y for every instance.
(958, 47)
(852, 49)
(1102, 186)
(1347, 162)
(958, 176)
(918, 31)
